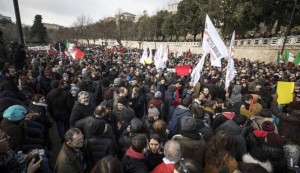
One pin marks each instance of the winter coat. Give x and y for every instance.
(239, 140)
(80, 111)
(191, 148)
(133, 162)
(57, 104)
(236, 95)
(96, 148)
(153, 159)
(68, 160)
(289, 127)
(247, 158)
(138, 105)
(165, 167)
(10, 85)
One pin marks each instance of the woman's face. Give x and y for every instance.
(154, 145)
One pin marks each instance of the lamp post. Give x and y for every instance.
(18, 21)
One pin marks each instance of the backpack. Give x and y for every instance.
(174, 124)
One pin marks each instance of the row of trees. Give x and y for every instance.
(227, 15)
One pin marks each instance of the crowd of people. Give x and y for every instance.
(116, 115)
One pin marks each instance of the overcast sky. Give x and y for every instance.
(64, 12)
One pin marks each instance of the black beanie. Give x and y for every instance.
(123, 101)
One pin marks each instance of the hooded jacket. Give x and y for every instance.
(236, 96)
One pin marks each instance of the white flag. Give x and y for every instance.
(216, 63)
(196, 73)
(144, 56)
(230, 64)
(161, 57)
(212, 41)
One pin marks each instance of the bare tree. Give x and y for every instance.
(83, 27)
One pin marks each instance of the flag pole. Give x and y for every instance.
(288, 28)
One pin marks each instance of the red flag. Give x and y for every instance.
(183, 70)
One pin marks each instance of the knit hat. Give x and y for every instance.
(65, 75)
(117, 81)
(229, 115)
(188, 123)
(54, 84)
(153, 111)
(123, 101)
(157, 94)
(15, 113)
(136, 126)
(259, 154)
(268, 126)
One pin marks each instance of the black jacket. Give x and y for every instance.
(57, 104)
(80, 111)
(96, 148)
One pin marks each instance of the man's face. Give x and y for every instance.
(77, 141)
(84, 99)
(120, 106)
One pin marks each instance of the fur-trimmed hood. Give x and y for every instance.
(247, 158)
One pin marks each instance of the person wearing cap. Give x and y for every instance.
(148, 120)
(12, 126)
(116, 118)
(19, 124)
(192, 144)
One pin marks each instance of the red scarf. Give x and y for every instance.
(133, 154)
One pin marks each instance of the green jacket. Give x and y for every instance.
(68, 161)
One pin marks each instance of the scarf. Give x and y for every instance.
(133, 154)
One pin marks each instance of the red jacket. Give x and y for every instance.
(164, 168)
